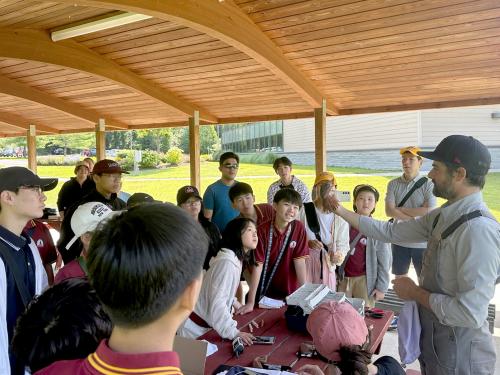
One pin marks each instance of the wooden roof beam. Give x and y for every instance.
(35, 45)
(20, 90)
(223, 20)
(418, 106)
(20, 122)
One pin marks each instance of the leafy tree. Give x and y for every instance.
(154, 139)
(208, 138)
(78, 141)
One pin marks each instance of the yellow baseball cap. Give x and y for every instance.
(325, 176)
(411, 149)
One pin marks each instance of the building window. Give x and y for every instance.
(252, 137)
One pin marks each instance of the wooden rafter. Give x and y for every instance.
(20, 122)
(36, 46)
(225, 21)
(419, 106)
(20, 90)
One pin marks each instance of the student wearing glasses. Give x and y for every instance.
(189, 199)
(107, 175)
(217, 205)
(22, 274)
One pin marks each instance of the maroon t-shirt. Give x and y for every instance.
(106, 361)
(265, 213)
(70, 270)
(40, 234)
(285, 280)
(356, 264)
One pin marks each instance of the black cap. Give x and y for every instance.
(463, 151)
(186, 192)
(139, 198)
(12, 178)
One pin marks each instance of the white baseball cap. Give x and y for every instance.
(87, 217)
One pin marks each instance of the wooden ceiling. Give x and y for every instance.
(241, 60)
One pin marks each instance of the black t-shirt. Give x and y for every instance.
(214, 245)
(67, 233)
(71, 192)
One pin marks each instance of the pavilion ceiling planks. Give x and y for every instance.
(364, 56)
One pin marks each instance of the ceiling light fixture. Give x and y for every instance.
(92, 25)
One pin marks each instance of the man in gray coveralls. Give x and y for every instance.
(461, 264)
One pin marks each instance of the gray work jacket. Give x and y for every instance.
(469, 259)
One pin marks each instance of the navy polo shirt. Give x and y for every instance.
(23, 258)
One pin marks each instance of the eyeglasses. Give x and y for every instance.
(231, 166)
(192, 203)
(114, 176)
(35, 188)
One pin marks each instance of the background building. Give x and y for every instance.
(368, 141)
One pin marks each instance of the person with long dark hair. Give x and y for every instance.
(217, 295)
(189, 199)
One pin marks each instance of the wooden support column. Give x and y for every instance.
(31, 142)
(320, 137)
(100, 140)
(194, 149)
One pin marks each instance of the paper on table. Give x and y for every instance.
(270, 372)
(211, 348)
(270, 303)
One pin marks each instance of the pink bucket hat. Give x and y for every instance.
(333, 325)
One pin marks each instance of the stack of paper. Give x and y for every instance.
(308, 296)
(270, 303)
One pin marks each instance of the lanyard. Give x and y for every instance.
(264, 286)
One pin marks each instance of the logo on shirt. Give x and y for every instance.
(39, 243)
(362, 241)
(293, 244)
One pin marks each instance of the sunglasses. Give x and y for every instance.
(230, 166)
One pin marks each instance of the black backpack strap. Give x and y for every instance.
(26, 297)
(418, 184)
(463, 219)
(313, 224)
(436, 219)
(312, 219)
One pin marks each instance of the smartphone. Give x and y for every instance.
(264, 340)
(343, 196)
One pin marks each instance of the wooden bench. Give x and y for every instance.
(392, 302)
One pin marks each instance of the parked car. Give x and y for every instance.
(58, 151)
(111, 153)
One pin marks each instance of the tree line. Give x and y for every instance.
(160, 140)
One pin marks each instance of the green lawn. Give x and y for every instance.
(260, 176)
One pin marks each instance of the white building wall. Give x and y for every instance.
(357, 132)
(474, 121)
(394, 130)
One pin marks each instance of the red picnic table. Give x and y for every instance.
(284, 350)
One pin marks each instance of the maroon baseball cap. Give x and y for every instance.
(463, 151)
(107, 166)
